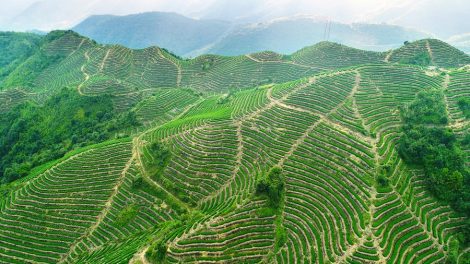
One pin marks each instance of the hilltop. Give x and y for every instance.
(255, 158)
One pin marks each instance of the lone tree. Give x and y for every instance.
(157, 252)
(272, 185)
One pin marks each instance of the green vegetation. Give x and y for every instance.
(427, 142)
(272, 185)
(157, 252)
(183, 185)
(417, 53)
(158, 158)
(32, 134)
(421, 59)
(383, 173)
(281, 234)
(15, 48)
(225, 98)
(32, 69)
(464, 105)
(127, 214)
(141, 184)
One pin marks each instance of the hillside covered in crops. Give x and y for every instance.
(328, 155)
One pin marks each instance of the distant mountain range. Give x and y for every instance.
(189, 37)
(174, 32)
(445, 20)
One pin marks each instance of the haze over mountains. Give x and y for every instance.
(191, 37)
(445, 20)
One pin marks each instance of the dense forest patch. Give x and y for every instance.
(31, 134)
(427, 141)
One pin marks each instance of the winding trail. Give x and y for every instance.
(388, 56)
(239, 124)
(453, 123)
(103, 62)
(78, 48)
(87, 76)
(373, 192)
(445, 85)
(466, 251)
(139, 257)
(428, 48)
(323, 118)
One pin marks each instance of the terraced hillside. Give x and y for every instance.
(436, 52)
(185, 187)
(66, 59)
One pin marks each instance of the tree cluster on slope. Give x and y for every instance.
(428, 142)
(272, 185)
(32, 134)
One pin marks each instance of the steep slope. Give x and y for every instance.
(133, 86)
(185, 186)
(15, 48)
(330, 134)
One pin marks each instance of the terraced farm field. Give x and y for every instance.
(184, 188)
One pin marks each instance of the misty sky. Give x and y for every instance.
(441, 17)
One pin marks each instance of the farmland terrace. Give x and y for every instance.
(328, 116)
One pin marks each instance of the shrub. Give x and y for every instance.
(137, 183)
(464, 105)
(126, 215)
(281, 236)
(272, 185)
(421, 59)
(159, 158)
(157, 252)
(382, 180)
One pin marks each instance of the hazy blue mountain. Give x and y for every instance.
(174, 32)
(288, 35)
(191, 37)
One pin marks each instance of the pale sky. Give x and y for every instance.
(448, 17)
